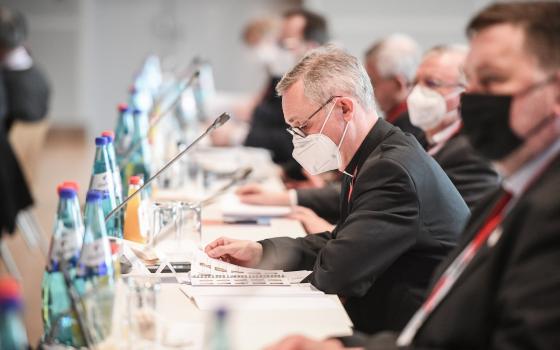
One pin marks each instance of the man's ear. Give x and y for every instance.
(347, 106)
(402, 84)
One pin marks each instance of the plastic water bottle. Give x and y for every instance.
(102, 180)
(96, 275)
(12, 332)
(59, 323)
(219, 337)
(140, 160)
(117, 181)
(124, 132)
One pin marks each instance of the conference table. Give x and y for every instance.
(184, 325)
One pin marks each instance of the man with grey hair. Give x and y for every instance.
(433, 106)
(391, 64)
(400, 214)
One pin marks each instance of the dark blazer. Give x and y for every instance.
(473, 175)
(508, 296)
(403, 122)
(268, 130)
(402, 218)
(14, 193)
(27, 95)
(324, 201)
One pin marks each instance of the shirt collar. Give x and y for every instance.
(518, 182)
(18, 59)
(440, 139)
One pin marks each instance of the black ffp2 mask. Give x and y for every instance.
(486, 124)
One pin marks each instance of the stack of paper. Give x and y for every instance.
(215, 283)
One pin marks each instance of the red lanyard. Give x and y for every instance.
(351, 188)
(453, 271)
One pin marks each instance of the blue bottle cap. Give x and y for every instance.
(136, 111)
(67, 193)
(221, 313)
(100, 141)
(93, 196)
(109, 139)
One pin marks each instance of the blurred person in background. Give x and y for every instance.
(14, 193)
(391, 64)
(497, 289)
(27, 89)
(300, 31)
(15, 104)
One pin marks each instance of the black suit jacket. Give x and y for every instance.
(268, 130)
(509, 295)
(324, 201)
(473, 175)
(14, 193)
(401, 220)
(403, 122)
(27, 95)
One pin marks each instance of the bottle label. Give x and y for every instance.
(124, 143)
(143, 218)
(102, 182)
(93, 253)
(118, 185)
(68, 244)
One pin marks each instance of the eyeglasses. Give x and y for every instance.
(436, 83)
(298, 130)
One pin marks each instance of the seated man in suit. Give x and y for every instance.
(400, 214)
(498, 289)
(390, 64)
(433, 106)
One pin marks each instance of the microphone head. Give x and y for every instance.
(221, 120)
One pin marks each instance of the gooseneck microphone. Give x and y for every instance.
(221, 120)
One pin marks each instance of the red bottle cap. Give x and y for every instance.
(134, 180)
(67, 184)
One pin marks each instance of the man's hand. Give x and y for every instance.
(256, 194)
(298, 342)
(312, 222)
(238, 252)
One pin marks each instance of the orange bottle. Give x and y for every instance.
(134, 226)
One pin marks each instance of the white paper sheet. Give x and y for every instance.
(304, 289)
(316, 302)
(231, 206)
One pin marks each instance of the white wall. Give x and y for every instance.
(356, 24)
(91, 48)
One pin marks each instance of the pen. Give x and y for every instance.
(247, 221)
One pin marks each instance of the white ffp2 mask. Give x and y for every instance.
(317, 153)
(427, 107)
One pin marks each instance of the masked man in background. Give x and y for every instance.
(433, 106)
(300, 31)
